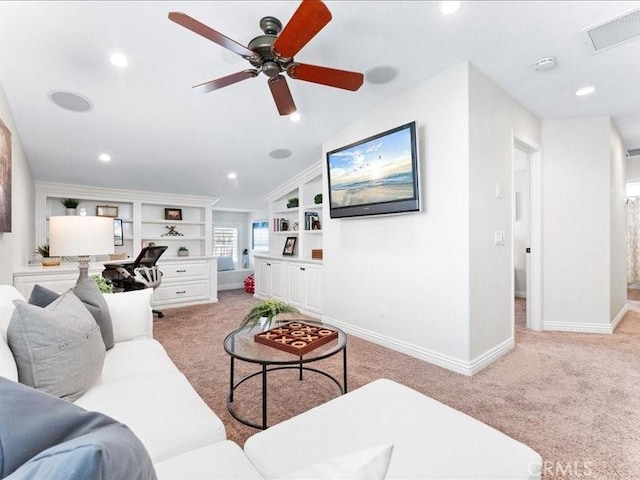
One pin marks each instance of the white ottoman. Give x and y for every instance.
(431, 440)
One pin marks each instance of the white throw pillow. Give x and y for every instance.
(368, 464)
(131, 314)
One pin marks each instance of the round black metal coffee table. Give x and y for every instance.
(240, 345)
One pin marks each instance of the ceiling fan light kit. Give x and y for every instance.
(272, 54)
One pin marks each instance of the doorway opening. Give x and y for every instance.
(526, 228)
(633, 243)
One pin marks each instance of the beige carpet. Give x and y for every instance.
(574, 398)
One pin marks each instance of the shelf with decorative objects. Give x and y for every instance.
(146, 218)
(291, 270)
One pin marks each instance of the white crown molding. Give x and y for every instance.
(64, 190)
(293, 183)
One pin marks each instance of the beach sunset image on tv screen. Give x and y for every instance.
(376, 171)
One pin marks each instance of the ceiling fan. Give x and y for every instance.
(272, 53)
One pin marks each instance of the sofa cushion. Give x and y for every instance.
(58, 349)
(134, 358)
(44, 437)
(368, 464)
(162, 409)
(8, 367)
(131, 314)
(7, 295)
(382, 412)
(89, 294)
(223, 460)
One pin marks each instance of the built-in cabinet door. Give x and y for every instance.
(296, 285)
(263, 278)
(278, 280)
(312, 286)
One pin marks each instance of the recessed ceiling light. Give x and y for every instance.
(280, 153)
(294, 117)
(104, 157)
(447, 8)
(381, 74)
(232, 176)
(545, 64)
(585, 91)
(70, 101)
(119, 60)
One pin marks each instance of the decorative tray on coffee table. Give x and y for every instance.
(296, 337)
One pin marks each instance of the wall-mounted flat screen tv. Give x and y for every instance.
(374, 176)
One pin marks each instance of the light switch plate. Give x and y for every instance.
(499, 237)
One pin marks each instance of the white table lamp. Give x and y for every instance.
(82, 237)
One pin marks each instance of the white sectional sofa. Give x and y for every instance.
(141, 387)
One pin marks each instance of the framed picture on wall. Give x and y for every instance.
(289, 246)
(173, 214)
(106, 211)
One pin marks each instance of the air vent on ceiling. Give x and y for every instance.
(633, 152)
(615, 31)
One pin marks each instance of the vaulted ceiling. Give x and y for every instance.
(163, 136)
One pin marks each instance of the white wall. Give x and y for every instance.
(633, 169)
(16, 246)
(494, 116)
(618, 248)
(578, 230)
(413, 267)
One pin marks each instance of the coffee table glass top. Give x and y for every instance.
(241, 344)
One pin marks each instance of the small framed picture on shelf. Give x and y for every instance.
(289, 246)
(106, 211)
(173, 214)
(118, 237)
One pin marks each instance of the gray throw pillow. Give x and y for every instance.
(42, 296)
(89, 293)
(58, 349)
(45, 437)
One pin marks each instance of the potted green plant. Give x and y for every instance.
(183, 252)
(104, 285)
(70, 204)
(267, 310)
(47, 261)
(317, 199)
(292, 202)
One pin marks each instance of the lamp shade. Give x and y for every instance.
(74, 235)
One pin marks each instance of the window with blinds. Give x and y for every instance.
(260, 236)
(225, 242)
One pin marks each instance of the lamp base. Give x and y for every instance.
(83, 266)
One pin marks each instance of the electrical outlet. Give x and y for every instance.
(383, 310)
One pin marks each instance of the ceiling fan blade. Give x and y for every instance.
(225, 81)
(282, 95)
(326, 76)
(209, 33)
(310, 17)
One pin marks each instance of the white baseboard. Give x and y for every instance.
(450, 363)
(520, 294)
(230, 286)
(623, 311)
(587, 327)
(491, 355)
